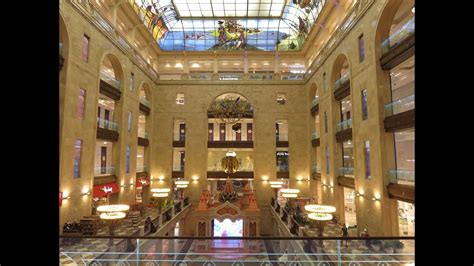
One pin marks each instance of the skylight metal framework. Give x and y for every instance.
(230, 25)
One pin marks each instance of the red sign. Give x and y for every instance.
(100, 191)
(60, 199)
(142, 181)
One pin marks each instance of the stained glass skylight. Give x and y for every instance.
(230, 25)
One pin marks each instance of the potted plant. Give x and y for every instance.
(375, 244)
(388, 246)
(398, 246)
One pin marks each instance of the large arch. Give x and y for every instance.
(145, 91)
(313, 91)
(392, 14)
(231, 94)
(111, 65)
(340, 66)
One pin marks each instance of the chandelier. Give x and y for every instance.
(230, 109)
(230, 163)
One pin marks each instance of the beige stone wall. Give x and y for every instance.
(80, 74)
(378, 216)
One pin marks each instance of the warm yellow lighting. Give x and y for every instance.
(160, 190)
(178, 65)
(112, 215)
(181, 182)
(85, 190)
(277, 182)
(320, 216)
(290, 190)
(66, 195)
(275, 186)
(264, 178)
(161, 177)
(113, 208)
(299, 178)
(320, 208)
(182, 186)
(195, 65)
(160, 195)
(195, 177)
(289, 195)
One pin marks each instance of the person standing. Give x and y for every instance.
(344, 232)
(365, 233)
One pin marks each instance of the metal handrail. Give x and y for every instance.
(244, 237)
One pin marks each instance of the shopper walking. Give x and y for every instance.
(344, 232)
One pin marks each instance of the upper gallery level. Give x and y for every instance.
(222, 40)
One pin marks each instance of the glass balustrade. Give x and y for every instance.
(401, 176)
(178, 167)
(316, 169)
(282, 168)
(142, 168)
(142, 134)
(179, 136)
(260, 76)
(346, 171)
(224, 251)
(106, 170)
(109, 79)
(342, 80)
(230, 76)
(203, 76)
(399, 35)
(401, 105)
(315, 135)
(282, 137)
(144, 101)
(292, 77)
(107, 124)
(314, 102)
(346, 124)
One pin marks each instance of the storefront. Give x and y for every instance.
(349, 207)
(406, 218)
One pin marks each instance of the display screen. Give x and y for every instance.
(228, 228)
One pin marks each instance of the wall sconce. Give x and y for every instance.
(374, 198)
(195, 177)
(299, 178)
(86, 193)
(66, 196)
(264, 178)
(122, 186)
(161, 178)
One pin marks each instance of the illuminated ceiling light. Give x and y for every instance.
(236, 64)
(167, 65)
(112, 215)
(178, 65)
(195, 65)
(320, 208)
(160, 190)
(290, 190)
(266, 63)
(289, 195)
(181, 182)
(182, 186)
(275, 186)
(160, 195)
(320, 216)
(277, 182)
(113, 208)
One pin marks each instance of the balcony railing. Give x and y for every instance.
(315, 135)
(282, 137)
(244, 167)
(178, 168)
(146, 250)
(109, 170)
(179, 137)
(342, 80)
(292, 77)
(346, 171)
(144, 101)
(406, 30)
(200, 76)
(109, 79)
(142, 168)
(401, 176)
(314, 102)
(316, 169)
(106, 124)
(260, 76)
(230, 76)
(282, 168)
(142, 134)
(346, 124)
(401, 105)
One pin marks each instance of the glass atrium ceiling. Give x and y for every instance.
(229, 25)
